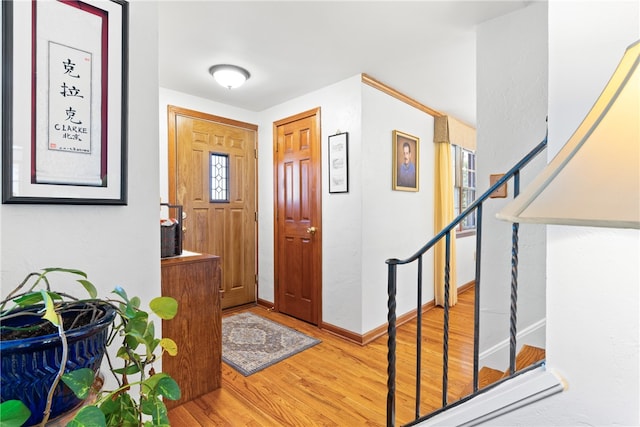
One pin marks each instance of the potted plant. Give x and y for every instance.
(52, 345)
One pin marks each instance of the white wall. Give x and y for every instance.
(340, 110)
(593, 276)
(465, 258)
(115, 245)
(512, 108)
(395, 224)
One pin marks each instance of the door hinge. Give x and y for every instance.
(255, 153)
(256, 216)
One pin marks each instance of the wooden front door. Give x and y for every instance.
(298, 228)
(212, 174)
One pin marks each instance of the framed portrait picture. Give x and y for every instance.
(339, 163)
(64, 97)
(406, 156)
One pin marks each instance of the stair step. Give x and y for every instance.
(486, 376)
(528, 355)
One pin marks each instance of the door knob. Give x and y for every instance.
(312, 230)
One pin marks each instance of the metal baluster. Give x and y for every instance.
(445, 349)
(391, 345)
(419, 339)
(513, 318)
(476, 307)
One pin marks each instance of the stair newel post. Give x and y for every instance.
(445, 340)
(476, 303)
(419, 339)
(391, 343)
(513, 319)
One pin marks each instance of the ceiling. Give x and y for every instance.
(424, 49)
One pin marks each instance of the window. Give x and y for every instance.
(219, 177)
(464, 192)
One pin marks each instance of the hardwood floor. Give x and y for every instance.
(339, 383)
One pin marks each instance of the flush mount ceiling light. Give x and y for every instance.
(229, 76)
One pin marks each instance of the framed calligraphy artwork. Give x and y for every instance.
(64, 94)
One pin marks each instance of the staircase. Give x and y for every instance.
(527, 356)
(482, 378)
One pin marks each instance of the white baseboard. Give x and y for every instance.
(495, 357)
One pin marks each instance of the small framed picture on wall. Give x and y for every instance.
(339, 163)
(406, 155)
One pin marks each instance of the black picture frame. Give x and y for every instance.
(64, 102)
(339, 163)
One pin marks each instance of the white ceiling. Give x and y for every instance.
(295, 47)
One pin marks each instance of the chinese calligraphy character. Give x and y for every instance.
(70, 91)
(69, 67)
(71, 113)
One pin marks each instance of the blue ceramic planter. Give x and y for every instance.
(29, 366)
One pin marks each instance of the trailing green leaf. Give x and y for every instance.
(164, 307)
(64, 270)
(93, 292)
(123, 353)
(134, 331)
(129, 370)
(150, 341)
(50, 312)
(135, 302)
(169, 346)
(13, 413)
(89, 416)
(33, 298)
(121, 293)
(80, 381)
(149, 385)
(169, 388)
(157, 409)
(153, 344)
(121, 411)
(149, 332)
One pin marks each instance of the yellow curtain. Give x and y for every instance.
(447, 131)
(443, 216)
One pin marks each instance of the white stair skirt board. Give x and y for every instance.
(504, 398)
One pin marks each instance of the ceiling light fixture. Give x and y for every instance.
(229, 76)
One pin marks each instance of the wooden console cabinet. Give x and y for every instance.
(194, 281)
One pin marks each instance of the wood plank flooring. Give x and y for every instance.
(339, 383)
